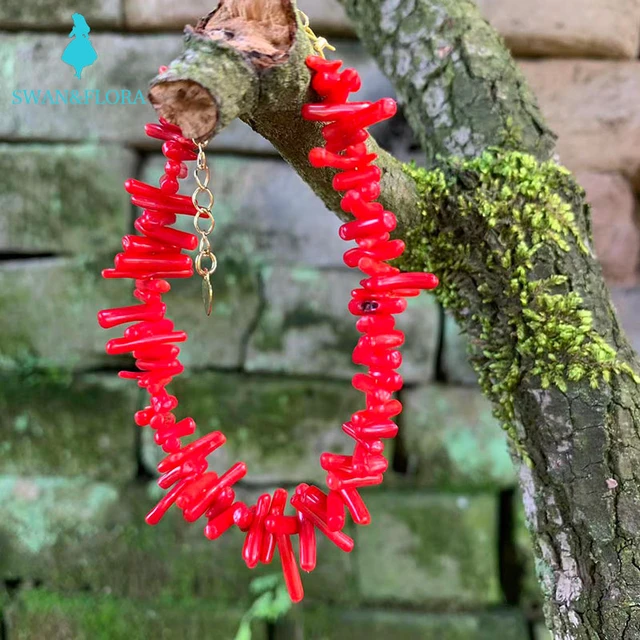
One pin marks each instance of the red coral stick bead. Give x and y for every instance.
(355, 504)
(340, 539)
(363, 118)
(156, 514)
(197, 508)
(218, 525)
(226, 498)
(320, 157)
(331, 112)
(253, 542)
(282, 525)
(356, 178)
(119, 346)
(278, 503)
(113, 317)
(401, 281)
(243, 517)
(307, 543)
(290, 569)
(138, 244)
(352, 230)
(335, 511)
(203, 447)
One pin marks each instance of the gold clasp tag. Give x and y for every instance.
(207, 295)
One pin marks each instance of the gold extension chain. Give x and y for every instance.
(203, 200)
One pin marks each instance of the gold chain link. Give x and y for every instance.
(203, 200)
(319, 43)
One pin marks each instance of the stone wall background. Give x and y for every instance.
(448, 557)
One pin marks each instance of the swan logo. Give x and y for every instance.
(79, 52)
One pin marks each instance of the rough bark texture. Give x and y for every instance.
(517, 268)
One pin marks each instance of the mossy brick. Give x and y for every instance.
(278, 427)
(67, 426)
(55, 14)
(530, 589)
(217, 340)
(265, 214)
(327, 16)
(453, 441)
(38, 515)
(63, 198)
(71, 535)
(455, 357)
(48, 312)
(40, 613)
(333, 624)
(31, 62)
(307, 328)
(429, 550)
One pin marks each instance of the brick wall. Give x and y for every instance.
(448, 556)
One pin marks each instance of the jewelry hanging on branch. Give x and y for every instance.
(156, 256)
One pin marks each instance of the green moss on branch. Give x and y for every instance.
(495, 229)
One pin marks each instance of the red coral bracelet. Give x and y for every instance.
(156, 256)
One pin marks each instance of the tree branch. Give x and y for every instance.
(230, 69)
(508, 234)
(460, 89)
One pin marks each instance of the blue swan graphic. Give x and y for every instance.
(79, 52)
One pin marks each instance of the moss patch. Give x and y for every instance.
(43, 614)
(514, 221)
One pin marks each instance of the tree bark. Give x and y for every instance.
(508, 232)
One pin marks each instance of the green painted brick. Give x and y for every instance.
(433, 550)
(67, 426)
(332, 624)
(48, 312)
(306, 326)
(453, 440)
(71, 535)
(63, 198)
(278, 427)
(40, 614)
